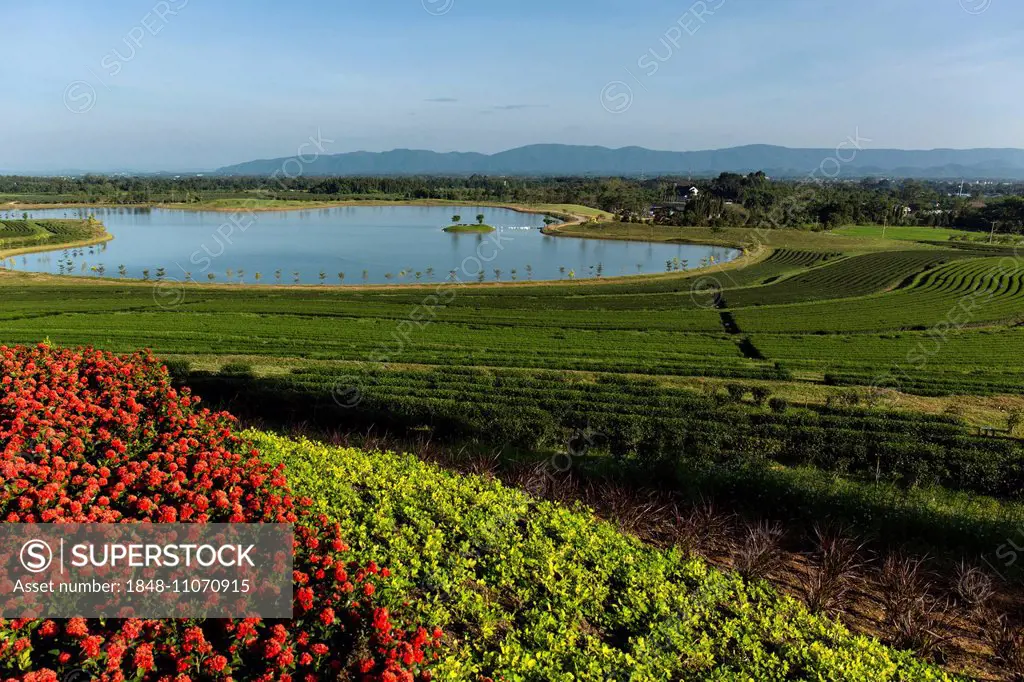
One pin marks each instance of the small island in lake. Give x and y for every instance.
(478, 227)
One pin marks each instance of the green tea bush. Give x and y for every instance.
(648, 425)
(237, 368)
(761, 395)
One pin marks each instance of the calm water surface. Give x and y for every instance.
(365, 244)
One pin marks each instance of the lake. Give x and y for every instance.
(367, 244)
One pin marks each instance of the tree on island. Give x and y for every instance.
(480, 218)
(456, 219)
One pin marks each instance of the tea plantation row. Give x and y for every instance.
(854, 276)
(636, 421)
(16, 234)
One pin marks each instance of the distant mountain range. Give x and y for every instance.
(557, 159)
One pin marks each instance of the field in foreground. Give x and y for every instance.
(522, 589)
(532, 590)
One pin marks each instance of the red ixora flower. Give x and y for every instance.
(90, 437)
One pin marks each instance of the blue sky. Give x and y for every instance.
(195, 84)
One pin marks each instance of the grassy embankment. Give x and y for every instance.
(907, 233)
(858, 240)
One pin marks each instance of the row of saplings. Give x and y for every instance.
(88, 437)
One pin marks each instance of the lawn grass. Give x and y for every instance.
(904, 233)
(748, 237)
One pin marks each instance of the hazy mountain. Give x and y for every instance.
(557, 159)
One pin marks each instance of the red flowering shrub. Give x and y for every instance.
(86, 436)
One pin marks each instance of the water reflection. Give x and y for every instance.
(348, 245)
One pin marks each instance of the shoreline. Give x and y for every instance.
(744, 258)
(102, 238)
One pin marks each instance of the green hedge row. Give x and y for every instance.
(635, 421)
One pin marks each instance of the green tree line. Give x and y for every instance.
(729, 200)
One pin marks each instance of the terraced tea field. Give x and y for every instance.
(801, 309)
(638, 419)
(854, 276)
(968, 292)
(983, 361)
(20, 234)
